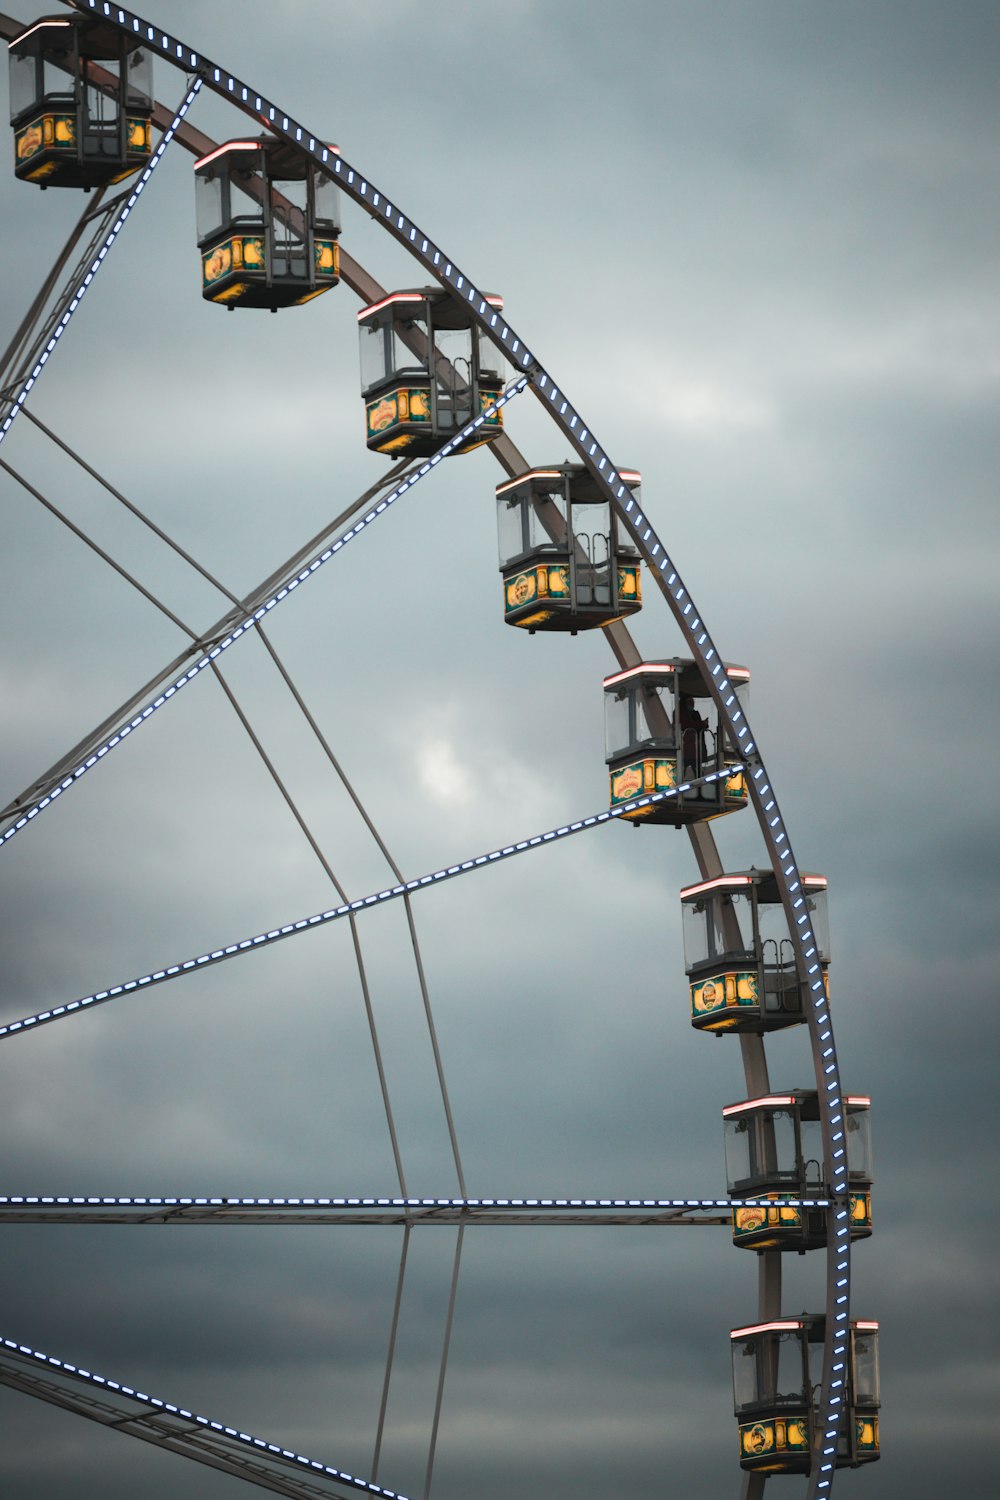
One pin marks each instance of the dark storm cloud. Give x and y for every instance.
(758, 243)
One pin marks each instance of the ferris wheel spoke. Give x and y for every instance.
(176, 1428)
(334, 914)
(397, 1212)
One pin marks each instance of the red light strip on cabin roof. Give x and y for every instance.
(783, 1326)
(628, 475)
(228, 146)
(731, 882)
(491, 298)
(859, 1099)
(243, 146)
(865, 1327)
(721, 882)
(771, 1099)
(42, 25)
(667, 668)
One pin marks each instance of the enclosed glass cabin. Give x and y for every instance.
(565, 565)
(664, 731)
(268, 221)
(81, 103)
(774, 1151)
(427, 370)
(777, 1370)
(738, 953)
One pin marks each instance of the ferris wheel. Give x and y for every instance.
(442, 376)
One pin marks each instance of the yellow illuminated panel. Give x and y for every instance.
(48, 133)
(866, 1436)
(776, 1445)
(719, 991)
(779, 1222)
(138, 135)
(629, 584)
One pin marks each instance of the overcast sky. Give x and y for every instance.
(756, 242)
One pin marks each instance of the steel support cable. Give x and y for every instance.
(177, 1428)
(443, 1369)
(83, 284)
(391, 1352)
(238, 630)
(786, 871)
(333, 914)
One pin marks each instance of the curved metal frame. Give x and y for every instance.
(702, 648)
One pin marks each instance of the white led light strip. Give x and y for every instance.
(251, 620)
(333, 914)
(85, 281)
(28, 1200)
(63, 1367)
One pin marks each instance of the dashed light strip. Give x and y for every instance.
(247, 1439)
(333, 914)
(251, 620)
(83, 285)
(79, 1201)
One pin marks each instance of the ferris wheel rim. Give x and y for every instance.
(770, 821)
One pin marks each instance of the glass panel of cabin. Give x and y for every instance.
(812, 1154)
(788, 1379)
(245, 189)
(511, 524)
(777, 953)
(57, 76)
(619, 721)
(815, 1348)
(741, 688)
(819, 916)
(545, 520)
(866, 1376)
(139, 79)
(698, 737)
(745, 1381)
(453, 374)
(592, 552)
(208, 198)
(718, 926)
(101, 112)
(289, 215)
(859, 1143)
(761, 1148)
(326, 208)
(654, 712)
(491, 361)
(23, 81)
(738, 1151)
(409, 342)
